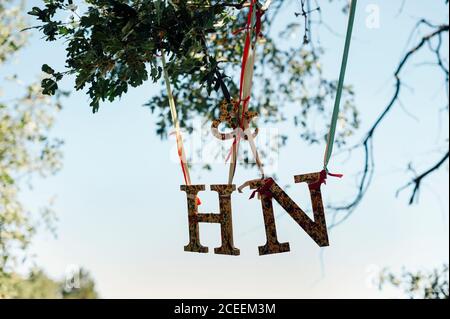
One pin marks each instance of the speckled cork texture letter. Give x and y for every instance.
(224, 218)
(316, 228)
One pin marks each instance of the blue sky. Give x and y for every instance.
(122, 216)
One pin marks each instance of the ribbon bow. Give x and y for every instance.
(264, 189)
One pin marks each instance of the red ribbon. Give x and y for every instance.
(245, 54)
(258, 25)
(264, 189)
(323, 179)
(183, 169)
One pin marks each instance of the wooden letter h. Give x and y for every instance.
(224, 218)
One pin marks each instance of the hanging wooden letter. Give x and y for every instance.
(224, 218)
(316, 228)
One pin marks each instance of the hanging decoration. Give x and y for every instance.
(236, 115)
(176, 123)
(252, 34)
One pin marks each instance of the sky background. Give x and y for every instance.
(122, 215)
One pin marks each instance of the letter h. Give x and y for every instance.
(224, 218)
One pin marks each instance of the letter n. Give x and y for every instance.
(316, 229)
(224, 218)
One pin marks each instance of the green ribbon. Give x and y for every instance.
(337, 102)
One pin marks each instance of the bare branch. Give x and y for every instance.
(416, 182)
(367, 142)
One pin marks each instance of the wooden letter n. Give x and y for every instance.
(316, 229)
(224, 218)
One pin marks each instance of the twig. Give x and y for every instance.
(416, 182)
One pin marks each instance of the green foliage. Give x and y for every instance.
(85, 289)
(110, 45)
(11, 22)
(419, 285)
(115, 44)
(37, 285)
(26, 150)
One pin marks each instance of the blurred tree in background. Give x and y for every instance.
(37, 285)
(419, 284)
(26, 150)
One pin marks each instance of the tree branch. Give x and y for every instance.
(367, 142)
(418, 179)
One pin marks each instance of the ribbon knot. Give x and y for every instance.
(264, 189)
(323, 179)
